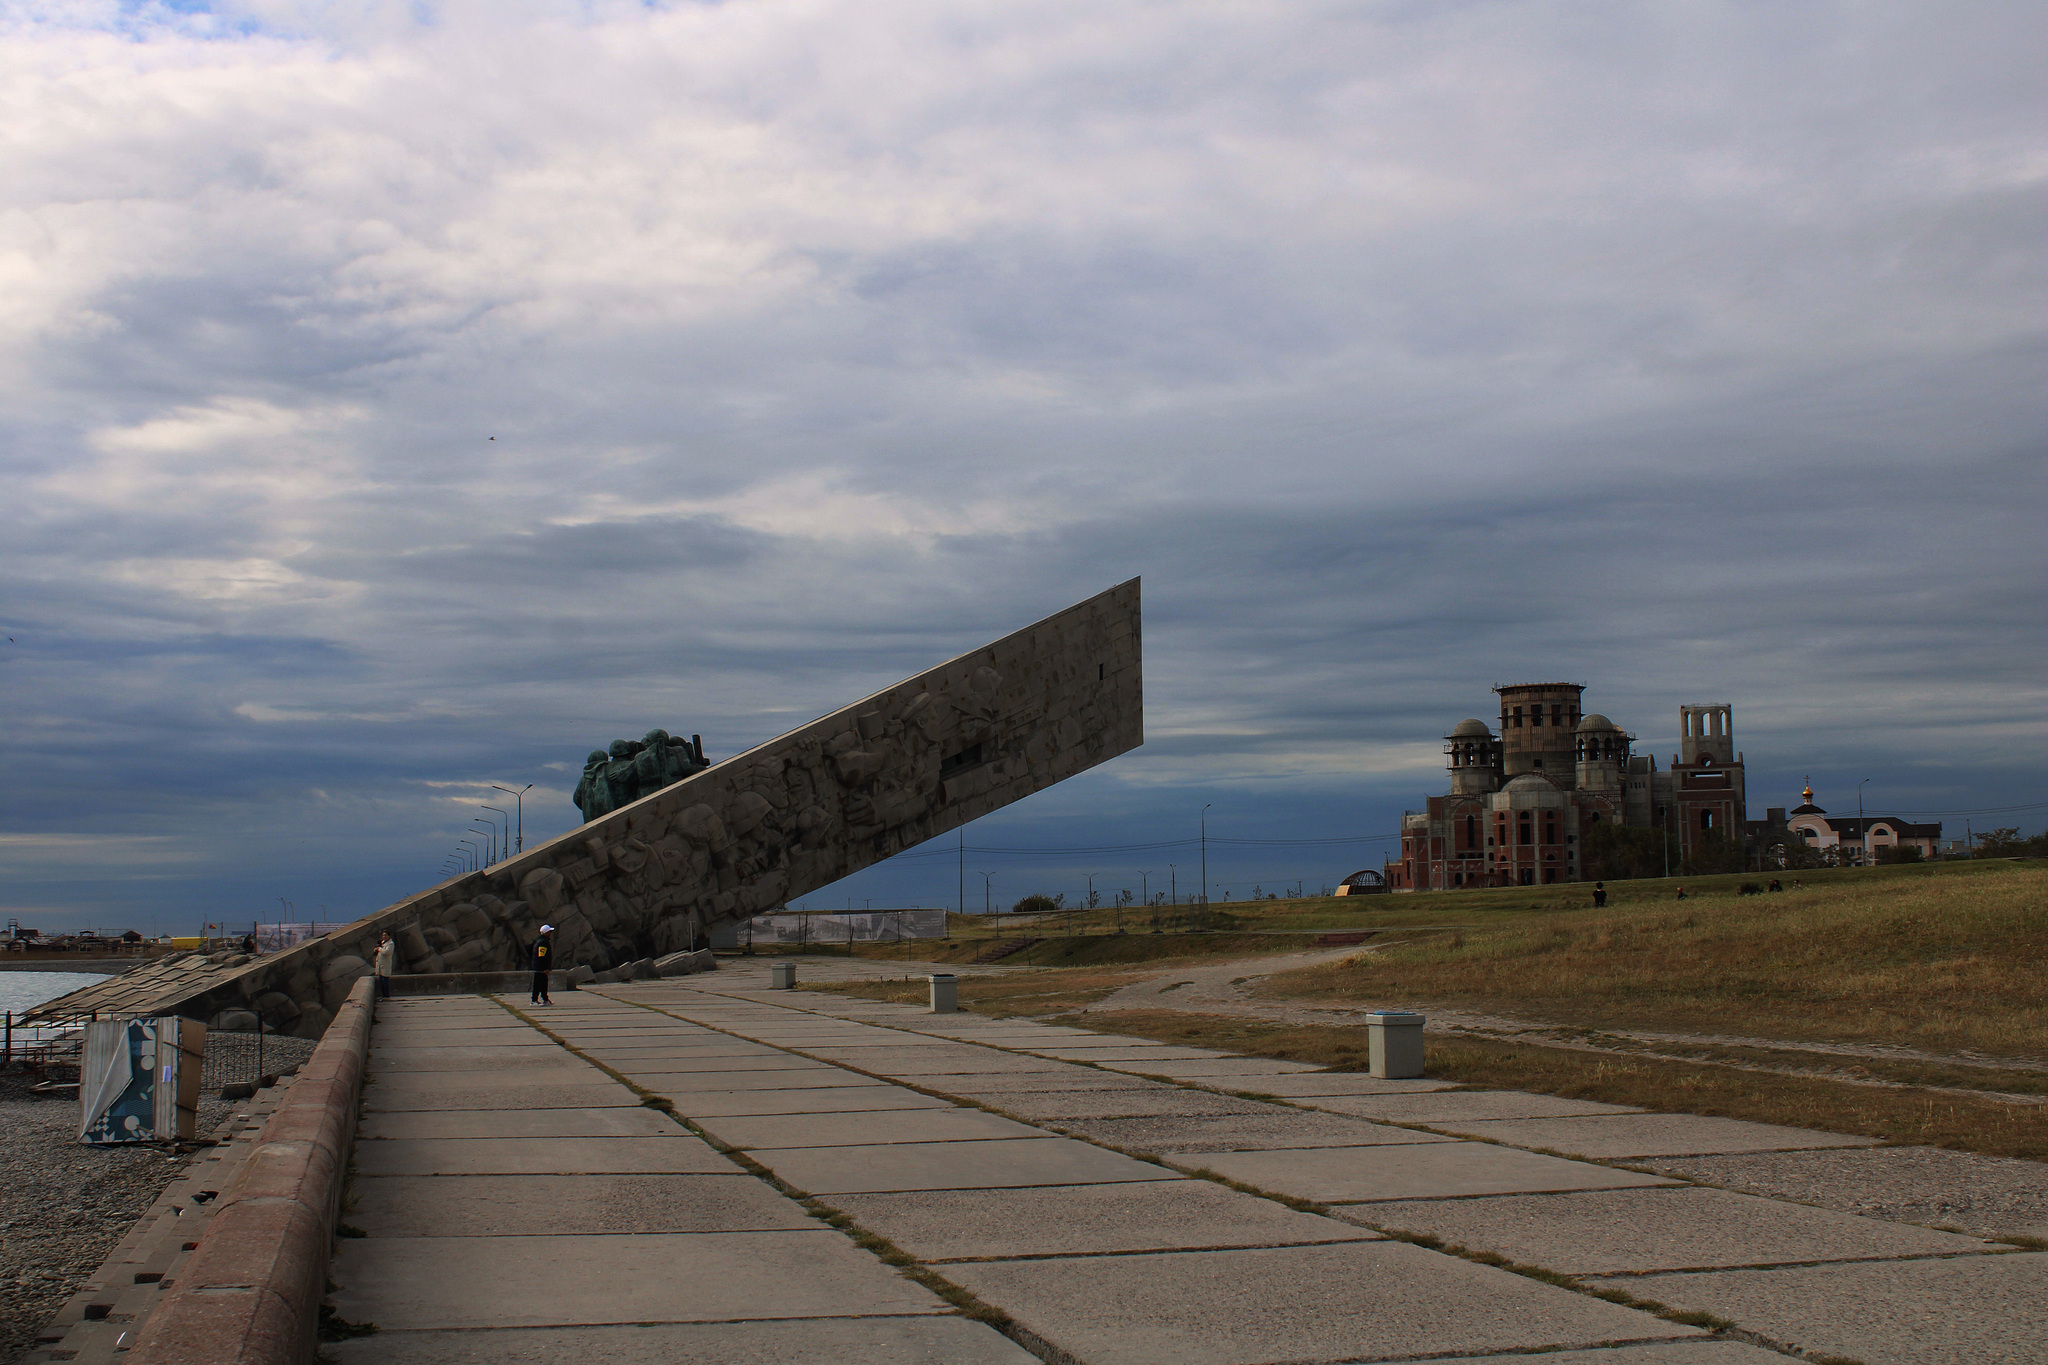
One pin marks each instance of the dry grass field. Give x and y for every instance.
(1953, 960)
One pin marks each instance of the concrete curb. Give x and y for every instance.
(251, 1292)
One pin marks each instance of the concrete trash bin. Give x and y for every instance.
(781, 976)
(1394, 1044)
(945, 992)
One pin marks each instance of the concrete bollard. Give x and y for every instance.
(1394, 1044)
(781, 976)
(945, 992)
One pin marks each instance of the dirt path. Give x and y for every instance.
(1227, 988)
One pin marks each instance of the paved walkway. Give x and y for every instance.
(845, 1176)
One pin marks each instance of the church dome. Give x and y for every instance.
(1471, 729)
(1530, 782)
(1596, 721)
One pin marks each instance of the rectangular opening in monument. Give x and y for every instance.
(966, 758)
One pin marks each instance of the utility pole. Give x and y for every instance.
(1205, 865)
(987, 894)
(963, 871)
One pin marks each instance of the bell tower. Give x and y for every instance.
(1706, 732)
(1474, 756)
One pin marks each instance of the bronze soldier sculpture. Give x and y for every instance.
(635, 768)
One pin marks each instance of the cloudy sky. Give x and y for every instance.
(397, 399)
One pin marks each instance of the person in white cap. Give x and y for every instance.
(543, 963)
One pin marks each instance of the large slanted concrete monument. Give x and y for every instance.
(801, 811)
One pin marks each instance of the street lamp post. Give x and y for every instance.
(505, 843)
(491, 847)
(1862, 825)
(475, 850)
(519, 803)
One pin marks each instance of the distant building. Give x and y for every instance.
(1521, 802)
(1857, 839)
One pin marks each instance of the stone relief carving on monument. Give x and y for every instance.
(634, 768)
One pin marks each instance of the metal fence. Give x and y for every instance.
(52, 1048)
(880, 926)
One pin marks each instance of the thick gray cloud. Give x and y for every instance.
(395, 405)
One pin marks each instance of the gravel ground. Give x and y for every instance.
(64, 1205)
(1991, 1196)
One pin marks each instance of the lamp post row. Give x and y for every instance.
(507, 834)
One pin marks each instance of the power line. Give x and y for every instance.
(1086, 850)
(1982, 810)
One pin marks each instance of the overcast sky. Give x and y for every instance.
(397, 399)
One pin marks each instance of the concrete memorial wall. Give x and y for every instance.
(783, 819)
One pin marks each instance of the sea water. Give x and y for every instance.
(21, 990)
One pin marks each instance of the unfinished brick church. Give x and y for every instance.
(1520, 802)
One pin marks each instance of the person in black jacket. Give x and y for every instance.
(543, 963)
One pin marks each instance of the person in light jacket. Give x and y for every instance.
(387, 964)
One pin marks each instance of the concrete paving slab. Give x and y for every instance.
(1696, 1352)
(677, 1153)
(888, 1125)
(1621, 1136)
(964, 1027)
(1359, 1299)
(673, 1034)
(997, 1164)
(643, 1051)
(1451, 1106)
(1211, 1068)
(655, 1063)
(698, 1104)
(1151, 1215)
(1095, 1041)
(584, 1094)
(1933, 1312)
(1678, 1228)
(633, 1120)
(1437, 1170)
(450, 1034)
(820, 1078)
(426, 1283)
(391, 1060)
(1125, 1054)
(557, 1205)
(871, 1038)
(1320, 1083)
(828, 1341)
(1033, 1107)
(1007, 1082)
(1244, 1133)
(1990, 1195)
(986, 1062)
(555, 1069)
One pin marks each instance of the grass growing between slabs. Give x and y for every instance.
(1949, 958)
(1901, 1114)
(1006, 996)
